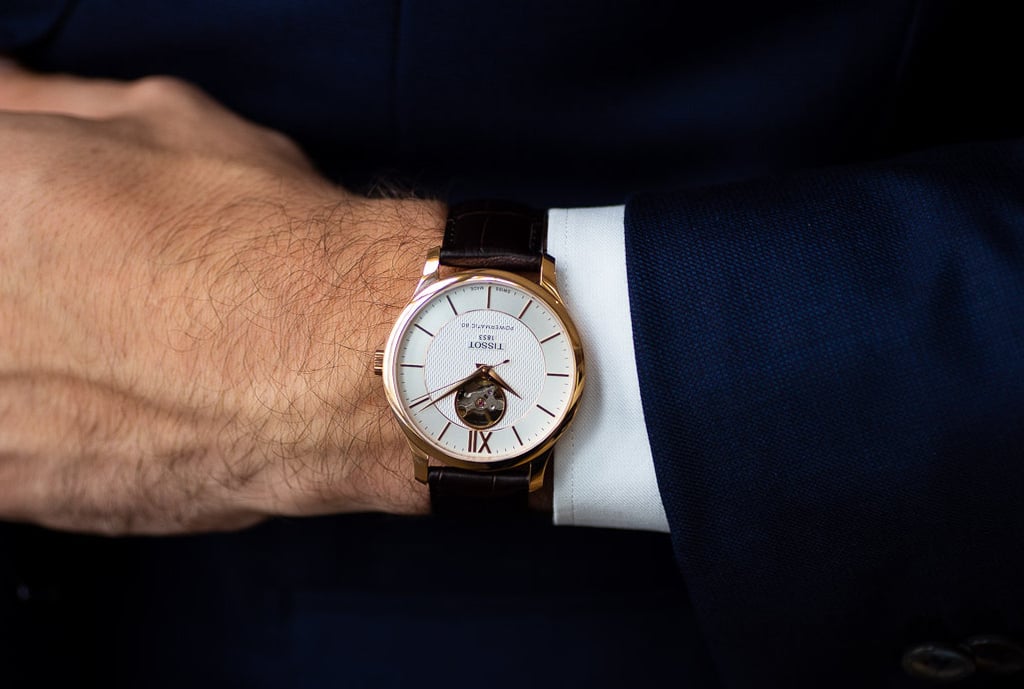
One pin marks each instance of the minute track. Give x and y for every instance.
(468, 338)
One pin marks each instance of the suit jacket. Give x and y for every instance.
(825, 243)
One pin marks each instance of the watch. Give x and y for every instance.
(484, 368)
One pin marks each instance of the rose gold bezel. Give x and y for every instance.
(424, 449)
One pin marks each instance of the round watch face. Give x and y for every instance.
(483, 369)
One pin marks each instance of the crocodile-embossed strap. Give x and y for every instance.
(503, 236)
(494, 234)
(461, 492)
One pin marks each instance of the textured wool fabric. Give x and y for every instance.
(834, 374)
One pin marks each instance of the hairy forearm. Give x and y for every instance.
(238, 387)
(333, 405)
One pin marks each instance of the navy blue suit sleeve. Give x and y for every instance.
(832, 371)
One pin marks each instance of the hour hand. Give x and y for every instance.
(493, 375)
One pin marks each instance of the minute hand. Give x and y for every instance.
(481, 369)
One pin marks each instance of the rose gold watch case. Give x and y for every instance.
(543, 289)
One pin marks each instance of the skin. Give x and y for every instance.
(187, 316)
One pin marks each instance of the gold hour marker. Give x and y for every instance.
(517, 435)
(478, 441)
(550, 337)
(444, 430)
(424, 329)
(454, 310)
(524, 309)
(545, 411)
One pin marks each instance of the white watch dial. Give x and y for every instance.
(484, 370)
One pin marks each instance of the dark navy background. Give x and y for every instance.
(563, 103)
(837, 416)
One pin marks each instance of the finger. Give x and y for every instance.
(175, 113)
(25, 91)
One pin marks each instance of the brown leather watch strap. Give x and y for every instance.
(503, 236)
(461, 492)
(494, 234)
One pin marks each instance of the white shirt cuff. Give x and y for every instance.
(603, 468)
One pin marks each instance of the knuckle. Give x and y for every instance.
(283, 143)
(163, 89)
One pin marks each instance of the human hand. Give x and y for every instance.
(187, 312)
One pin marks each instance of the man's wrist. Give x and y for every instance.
(369, 260)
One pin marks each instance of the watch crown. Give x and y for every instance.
(378, 362)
